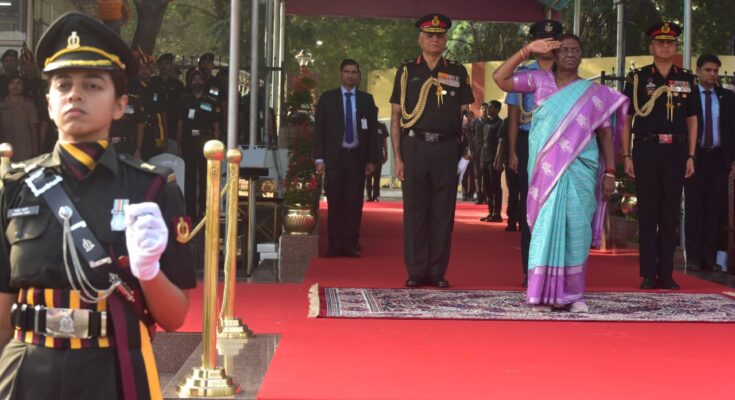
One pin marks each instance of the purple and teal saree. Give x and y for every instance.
(565, 205)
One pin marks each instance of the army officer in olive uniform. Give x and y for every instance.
(663, 121)
(425, 134)
(88, 258)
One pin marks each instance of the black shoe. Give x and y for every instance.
(510, 228)
(376, 200)
(440, 283)
(670, 284)
(495, 218)
(414, 283)
(485, 218)
(648, 284)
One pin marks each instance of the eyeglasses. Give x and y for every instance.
(571, 50)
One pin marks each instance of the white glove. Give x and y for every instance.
(146, 236)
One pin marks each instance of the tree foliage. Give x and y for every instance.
(191, 27)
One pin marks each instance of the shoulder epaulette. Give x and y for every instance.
(20, 169)
(165, 172)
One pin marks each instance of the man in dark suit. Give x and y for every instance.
(346, 150)
(705, 191)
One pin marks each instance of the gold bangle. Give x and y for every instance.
(523, 54)
(609, 175)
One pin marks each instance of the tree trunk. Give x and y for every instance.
(150, 17)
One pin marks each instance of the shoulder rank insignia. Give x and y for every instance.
(149, 167)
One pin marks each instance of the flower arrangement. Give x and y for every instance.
(301, 185)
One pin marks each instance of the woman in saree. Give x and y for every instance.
(571, 168)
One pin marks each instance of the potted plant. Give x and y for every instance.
(301, 186)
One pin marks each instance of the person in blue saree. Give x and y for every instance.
(571, 168)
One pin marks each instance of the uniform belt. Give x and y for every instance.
(349, 149)
(661, 138)
(62, 323)
(430, 137)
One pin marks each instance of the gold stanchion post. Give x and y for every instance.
(6, 152)
(210, 380)
(231, 327)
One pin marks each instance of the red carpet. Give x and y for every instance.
(419, 359)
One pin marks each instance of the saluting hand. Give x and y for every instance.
(543, 46)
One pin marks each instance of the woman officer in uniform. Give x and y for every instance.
(88, 262)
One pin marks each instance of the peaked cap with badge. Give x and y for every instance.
(434, 23)
(664, 31)
(77, 41)
(547, 28)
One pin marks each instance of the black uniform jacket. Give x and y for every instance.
(31, 247)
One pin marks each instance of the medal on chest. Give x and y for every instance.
(117, 222)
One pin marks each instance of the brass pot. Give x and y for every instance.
(299, 220)
(629, 205)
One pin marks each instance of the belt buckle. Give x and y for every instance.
(431, 137)
(67, 323)
(665, 139)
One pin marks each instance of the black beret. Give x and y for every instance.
(434, 23)
(9, 52)
(206, 56)
(78, 41)
(664, 31)
(547, 28)
(168, 57)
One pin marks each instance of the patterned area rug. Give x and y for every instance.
(509, 305)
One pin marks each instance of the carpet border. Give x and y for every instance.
(318, 309)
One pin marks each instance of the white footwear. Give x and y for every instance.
(580, 307)
(541, 308)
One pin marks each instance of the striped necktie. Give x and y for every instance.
(80, 158)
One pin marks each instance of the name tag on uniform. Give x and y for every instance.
(449, 80)
(155, 97)
(206, 107)
(129, 109)
(192, 113)
(195, 132)
(22, 211)
(363, 123)
(214, 91)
